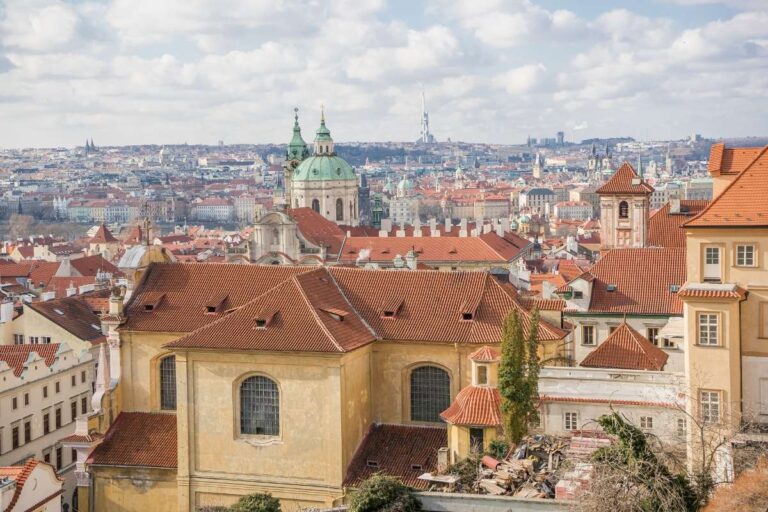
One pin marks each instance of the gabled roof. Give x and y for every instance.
(726, 161)
(188, 287)
(665, 229)
(138, 439)
(641, 280)
(74, 315)
(403, 451)
(318, 230)
(626, 349)
(428, 249)
(625, 181)
(307, 312)
(475, 406)
(743, 203)
(91, 265)
(17, 355)
(102, 236)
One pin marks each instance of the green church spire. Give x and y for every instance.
(323, 134)
(297, 148)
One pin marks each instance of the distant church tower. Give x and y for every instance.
(297, 152)
(624, 209)
(538, 170)
(426, 137)
(325, 182)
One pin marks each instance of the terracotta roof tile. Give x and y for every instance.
(475, 405)
(743, 203)
(318, 230)
(72, 314)
(428, 249)
(138, 439)
(20, 474)
(665, 229)
(91, 265)
(724, 160)
(626, 349)
(485, 355)
(403, 451)
(625, 181)
(642, 280)
(712, 291)
(17, 355)
(102, 236)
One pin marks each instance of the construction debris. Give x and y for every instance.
(532, 469)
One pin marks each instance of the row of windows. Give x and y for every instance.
(745, 255)
(56, 387)
(18, 440)
(571, 423)
(260, 397)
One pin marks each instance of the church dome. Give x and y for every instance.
(324, 168)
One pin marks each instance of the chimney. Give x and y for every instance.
(386, 225)
(448, 225)
(674, 204)
(46, 296)
(6, 312)
(71, 290)
(432, 225)
(116, 300)
(442, 460)
(463, 228)
(411, 259)
(487, 228)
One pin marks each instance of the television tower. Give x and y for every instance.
(426, 137)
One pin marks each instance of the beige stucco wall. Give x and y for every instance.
(32, 323)
(357, 406)
(139, 355)
(134, 489)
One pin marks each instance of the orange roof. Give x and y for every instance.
(712, 291)
(475, 405)
(743, 203)
(625, 181)
(16, 355)
(641, 280)
(318, 230)
(665, 229)
(724, 160)
(19, 474)
(102, 236)
(428, 249)
(91, 265)
(485, 355)
(403, 451)
(626, 349)
(138, 439)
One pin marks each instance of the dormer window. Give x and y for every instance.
(611, 288)
(467, 316)
(335, 313)
(215, 304)
(372, 463)
(152, 301)
(263, 319)
(391, 308)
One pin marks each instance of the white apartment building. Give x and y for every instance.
(573, 210)
(403, 210)
(43, 389)
(215, 209)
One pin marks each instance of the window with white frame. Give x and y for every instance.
(682, 427)
(570, 420)
(646, 422)
(588, 334)
(708, 329)
(652, 333)
(709, 403)
(745, 255)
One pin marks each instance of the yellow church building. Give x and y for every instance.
(223, 380)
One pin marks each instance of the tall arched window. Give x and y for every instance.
(275, 236)
(168, 383)
(259, 407)
(316, 205)
(339, 209)
(430, 393)
(623, 210)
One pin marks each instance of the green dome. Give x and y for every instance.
(324, 168)
(297, 148)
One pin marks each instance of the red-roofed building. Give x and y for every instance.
(624, 209)
(31, 486)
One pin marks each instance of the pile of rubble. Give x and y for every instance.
(533, 469)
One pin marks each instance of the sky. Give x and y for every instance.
(496, 71)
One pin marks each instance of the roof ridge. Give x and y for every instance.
(311, 307)
(726, 189)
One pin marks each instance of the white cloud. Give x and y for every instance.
(37, 27)
(520, 80)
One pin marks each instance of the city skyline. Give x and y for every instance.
(135, 72)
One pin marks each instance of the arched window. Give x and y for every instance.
(623, 210)
(339, 209)
(430, 393)
(168, 383)
(275, 236)
(259, 407)
(316, 205)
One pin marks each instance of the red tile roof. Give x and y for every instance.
(17, 355)
(91, 265)
(19, 474)
(665, 229)
(138, 439)
(626, 349)
(102, 236)
(74, 315)
(307, 313)
(642, 278)
(485, 355)
(712, 291)
(476, 406)
(187, 287)
(743, 203)
(403, 451)
(625, 181)
(429, 249)
(724, 160)
(318, 230)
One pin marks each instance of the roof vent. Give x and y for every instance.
(611, 288)
(264, 318)
(416, 467)
(674, 288)
(372, 463)
(391, 307)
(335, 313)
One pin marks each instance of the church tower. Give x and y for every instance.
(325, 182)
(538, 170)
(297, 152)
(624, 209)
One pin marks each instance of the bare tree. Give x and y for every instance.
(20, 225)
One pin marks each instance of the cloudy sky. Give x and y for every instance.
(173, 71)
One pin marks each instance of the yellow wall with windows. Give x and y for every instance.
(140, 354)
